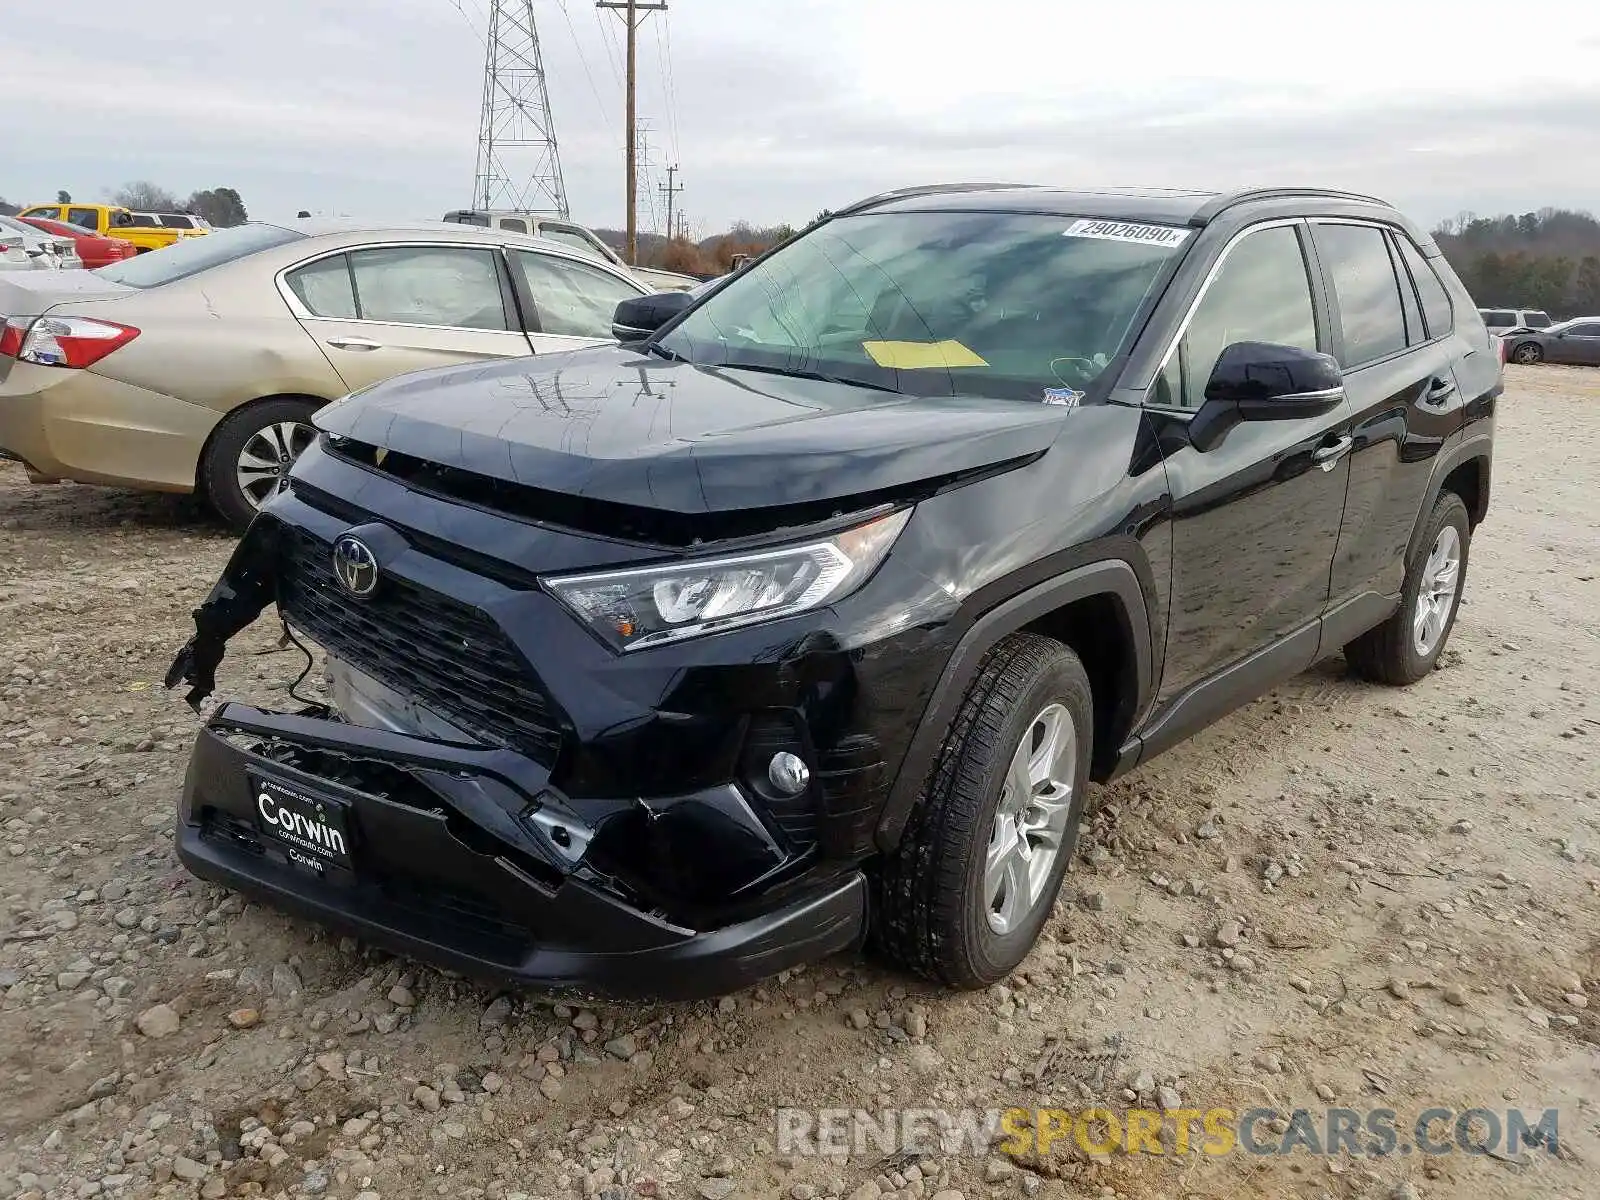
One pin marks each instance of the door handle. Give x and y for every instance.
(1326, 456)
(354, 343)
(1440, 391)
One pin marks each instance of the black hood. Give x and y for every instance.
(616, 425)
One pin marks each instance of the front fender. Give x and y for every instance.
(1116, 578)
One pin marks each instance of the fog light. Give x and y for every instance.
(788, 773)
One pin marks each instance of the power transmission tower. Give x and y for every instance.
(671, 190)
(518, 165)
(633, 12)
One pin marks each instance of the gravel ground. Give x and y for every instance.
(1341, 895)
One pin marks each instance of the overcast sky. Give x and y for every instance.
(370, 107)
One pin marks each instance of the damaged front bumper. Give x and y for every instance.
(435, 843)
(447, 860)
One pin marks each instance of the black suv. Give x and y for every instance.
(808, 615)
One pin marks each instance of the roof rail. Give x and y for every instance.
(1210, 210)
(925, 189)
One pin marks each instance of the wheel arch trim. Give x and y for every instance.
(1115, 578)
(243, 406)
(1480, 446)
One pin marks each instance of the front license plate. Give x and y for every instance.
(313, 830)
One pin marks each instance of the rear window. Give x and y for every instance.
(189, 256)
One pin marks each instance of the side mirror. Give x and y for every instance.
(1263, 381)
(638, 318)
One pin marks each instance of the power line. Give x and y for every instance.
(632, 13)
(583, 61)
(668, 99)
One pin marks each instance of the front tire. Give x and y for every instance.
(965, 895)
(250, 454)
(1407, 646)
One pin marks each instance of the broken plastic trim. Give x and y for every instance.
(247, 585)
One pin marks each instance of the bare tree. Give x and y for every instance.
(144, 196)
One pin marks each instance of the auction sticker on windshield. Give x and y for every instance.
(1125, 231)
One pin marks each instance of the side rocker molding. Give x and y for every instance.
(1113, 577)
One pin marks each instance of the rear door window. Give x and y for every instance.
(514, 224)
(1356, 258)
(1498, 318)
(456, 287)
(1536, 320)
(1436, 307)
(85, 218)
(324, 287)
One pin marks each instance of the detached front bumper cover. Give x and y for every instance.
(466, 855)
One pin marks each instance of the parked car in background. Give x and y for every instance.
(187, 224)
(584, 241)
(108, 220)
(1576, 342)
(47, 249)
(1500, 321)
(14, 254)
(198, 369)
(95, 250)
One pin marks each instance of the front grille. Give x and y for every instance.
(447, 655)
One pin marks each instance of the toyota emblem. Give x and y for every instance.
(355, 566)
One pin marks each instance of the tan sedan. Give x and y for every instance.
(198, 368)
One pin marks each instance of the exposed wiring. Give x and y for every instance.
(310, 662)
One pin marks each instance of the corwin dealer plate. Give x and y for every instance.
(313, 830)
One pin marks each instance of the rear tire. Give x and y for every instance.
(964, 896)
(260, 443)
(1527, 354)
(1407, 646)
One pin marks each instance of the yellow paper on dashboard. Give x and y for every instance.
(921, 356)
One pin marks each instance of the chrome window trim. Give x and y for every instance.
(1200, 298)
(301, 312)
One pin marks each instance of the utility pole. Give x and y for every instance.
(518, 164)
(633, 12)
(671, 193)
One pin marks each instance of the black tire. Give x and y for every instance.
(218, 478)
(1527, 353)
(1389, 653)
(931, 914)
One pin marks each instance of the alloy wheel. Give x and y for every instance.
(1030, 822)
(1528, 355)
(1436, 593)
(264, 462)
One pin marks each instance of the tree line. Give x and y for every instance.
(1549, 259)
(221, 206)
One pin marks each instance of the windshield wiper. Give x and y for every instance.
(661, 351)
(817, 375)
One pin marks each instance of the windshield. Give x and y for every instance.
(1011, 305)
(191, 255)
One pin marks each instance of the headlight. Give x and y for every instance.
(647, 606)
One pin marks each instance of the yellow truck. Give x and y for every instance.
(110, 220)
